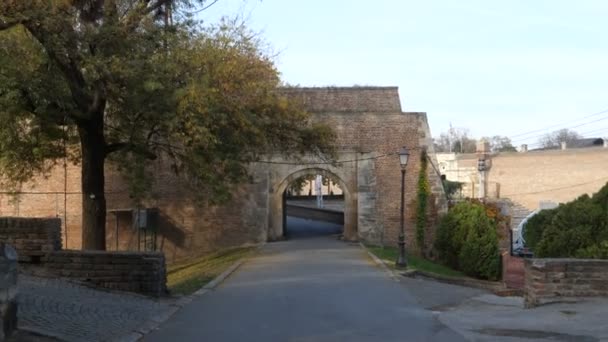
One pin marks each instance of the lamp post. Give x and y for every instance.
(403, 157)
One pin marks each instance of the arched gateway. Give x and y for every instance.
(370, 128)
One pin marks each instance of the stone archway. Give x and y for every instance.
(276, 229)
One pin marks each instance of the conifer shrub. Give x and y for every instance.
(467, 240)
(535, 226)
(577, 229)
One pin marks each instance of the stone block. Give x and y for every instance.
(550, 280)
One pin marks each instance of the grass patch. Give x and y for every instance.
(187, 276)
(389, 255)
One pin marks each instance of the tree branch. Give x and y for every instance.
(70, 70)
(158, 4)
(111, 148)
(5, 25)
(119, 146)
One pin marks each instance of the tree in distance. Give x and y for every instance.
(554, 139)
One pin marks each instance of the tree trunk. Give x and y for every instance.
(93, 197)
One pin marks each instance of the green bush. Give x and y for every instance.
(596, 251)
(535, 226)
(575, 229)
(422, 202)
(467, 240)
(444, 244)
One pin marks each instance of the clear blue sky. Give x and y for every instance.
(494, 67)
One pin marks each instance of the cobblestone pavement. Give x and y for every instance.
(75, 313)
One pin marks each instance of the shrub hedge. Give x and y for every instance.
(577, 229)
(467, 240)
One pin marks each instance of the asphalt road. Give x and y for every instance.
(298, 228)
(307, 289)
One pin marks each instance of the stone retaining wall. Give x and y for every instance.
(8, 291)
(556, 280)
(125, 271)
(38, 240)
(31, 237)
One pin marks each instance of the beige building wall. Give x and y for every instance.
(532, 177)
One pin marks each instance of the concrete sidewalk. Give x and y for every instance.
(479, 315)
(491, 318)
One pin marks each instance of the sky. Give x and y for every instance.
(492, 67)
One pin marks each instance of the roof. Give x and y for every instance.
(589, 142)
(346, 99)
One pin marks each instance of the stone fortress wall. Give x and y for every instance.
(529, 178)
(371, 127)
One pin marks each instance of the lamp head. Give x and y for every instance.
(404, 155)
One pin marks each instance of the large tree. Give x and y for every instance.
(127, 80)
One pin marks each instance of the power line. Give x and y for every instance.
(331, 162)
(572, 127)
(595, 131)
(324, 162)
(557, 125)
(554, 189)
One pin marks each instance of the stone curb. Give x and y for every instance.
(495, 287)
(380, 263)
(156, 321)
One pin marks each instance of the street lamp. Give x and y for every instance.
(481, 165)
(403, 157)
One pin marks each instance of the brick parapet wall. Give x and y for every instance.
(556, 280)
(513, 271)
(346, 99)
(31, 237)
(143, 273)
(8, 291)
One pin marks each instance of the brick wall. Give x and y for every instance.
(125, 271)
(39, 241)
(384, 133)
(513, 271)
(31, 237)
(346, 99)
(555, 280)
(185, 227)
(55, 195)
(8, 291)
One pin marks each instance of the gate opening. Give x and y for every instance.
(313, 205)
